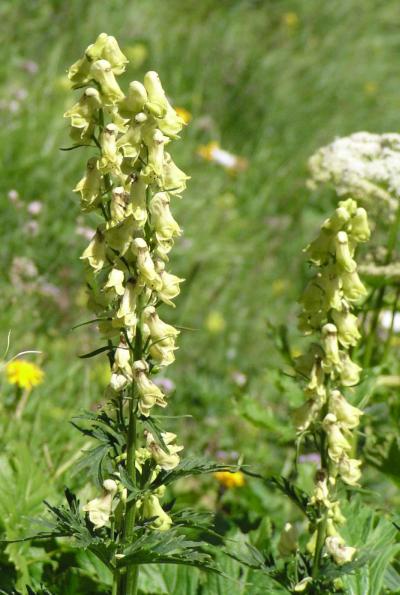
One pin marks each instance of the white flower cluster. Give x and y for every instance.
(363, 165)
(130, 182)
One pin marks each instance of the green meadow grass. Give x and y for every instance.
(269, 80)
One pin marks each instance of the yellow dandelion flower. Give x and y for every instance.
(290, 20)
(184, 114)
(24, 374)
(230, 480)
(215, 322)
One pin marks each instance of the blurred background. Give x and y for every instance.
(263, 84)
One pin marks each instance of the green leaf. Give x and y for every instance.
(165, 579)
(96, 352)
(191, 466)
(167, 547)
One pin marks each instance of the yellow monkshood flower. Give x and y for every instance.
(213, 152)
(230, 480)
(184, 114)
(24, 374)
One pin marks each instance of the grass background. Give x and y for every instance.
(271, 81)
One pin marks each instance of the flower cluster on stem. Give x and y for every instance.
(328, 304)
(129, 182)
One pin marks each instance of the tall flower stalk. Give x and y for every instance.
(129, 181)
(327, 417)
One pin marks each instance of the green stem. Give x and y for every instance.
(130, 512)
(322, 521)
(391, 329)
(369, 349)
(321, 534)
(132, 572)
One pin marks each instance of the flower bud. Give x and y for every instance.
(162, 220)
(170, 287)
(127, 308)
(349, 470)
(138, 192)
(110, 157)
(119, 237)
(170, 123)
(347, 325)
(303, 584)
(118, 205)
(353, 289)
(350, 205)
(340, 553)
(90, 186)
(83, 114)
(331, 284)
(321, 248)
(135, 100)
(338, 220)
(173, 178)
(152, 508)
(160, 331)
(360, 230)
(349, 370)
(95, 253)
(345, 413)
(145, 264)
(99, 509)
(118, 382)
(149, 393)
(110, 51)
(122, 357)
(330, 345)
(115, 281)
(102, 73)
(166, 460)
(337, 443)
(130, 142)
(343, 252)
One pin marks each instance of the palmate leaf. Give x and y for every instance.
(297, 495)
(97, 460)
(376, 539)
(164, 579)
(167, 547)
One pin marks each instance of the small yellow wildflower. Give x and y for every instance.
(290, 19)
(215, 322)
(24, 374)
(230, 480)
(279, 286)
(370, 88)
(184, 114)
(213, 152)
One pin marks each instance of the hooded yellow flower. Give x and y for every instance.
(24, 374)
